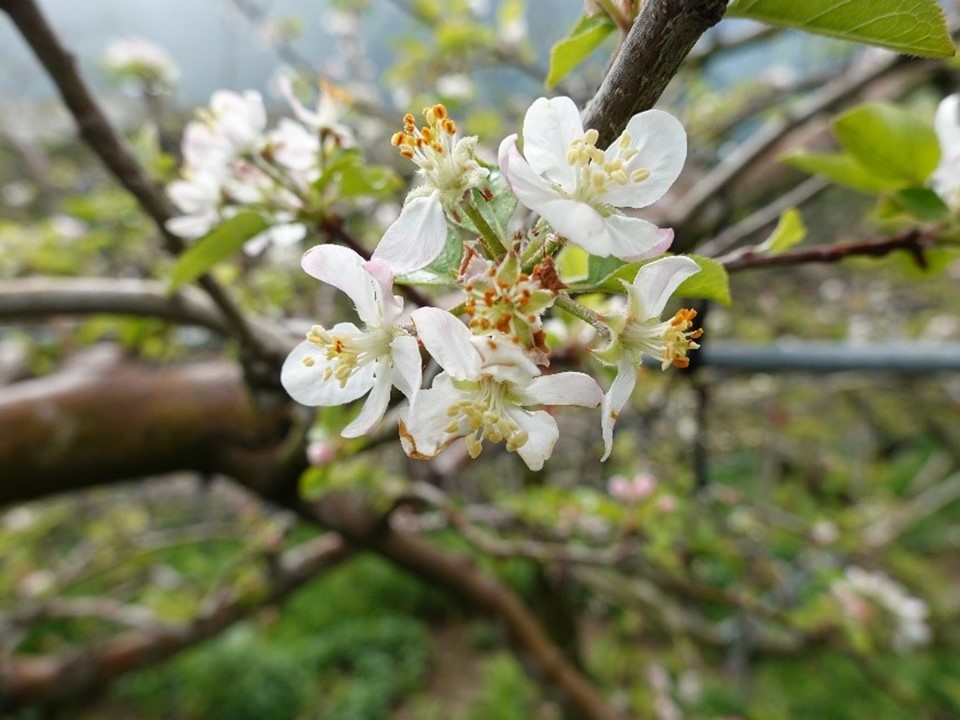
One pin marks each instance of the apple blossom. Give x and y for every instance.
(483, 393)
(338, 365)
(324, 120)
(637, 330)
(579, 189)
(450, 169)
(142, 60)
(946, 178)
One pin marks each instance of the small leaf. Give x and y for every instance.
(921, 203)
(839, 168)
(889, 142)
(600, 268)
(912, 27)
(711, 283)
(790, 231)
(219, 244)
(352, 177)
(442, 272)
(583, 39)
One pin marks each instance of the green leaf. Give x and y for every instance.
(600, 268)
(583, 39)
(921, 203)
(839, 168)
(912, 27)
(219, 244)
(790, 231)
(352, 177)
(889, 142)
(442, 272)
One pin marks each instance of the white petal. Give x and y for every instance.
(407, 365)
(306, 385)
(257, 244)
(662, 144)
(542, 436)
(392, 304)
(423, 427)
(415, 238)
(192, 226)
(449, 341)
(197, 195)
(566, 388)
(946, 123)
(343, 268)
(613, 403)
(505, 360)
(632, 239)
(548, 128)
(375, 406)
(531, 190)
(657, 281)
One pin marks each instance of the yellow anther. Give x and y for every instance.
(625, 140)
(591, 136)
(639, 175)
(398, 139)
(309, 361)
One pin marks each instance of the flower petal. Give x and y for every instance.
(407, 366)
(542, 436)
(392, 304)
(548, 128)
(531, 190)
(417, 237)
(192, 226)
(946, 123)
(423, 425)
(613, 402)
(633, 239)
(449, 341)
(657, 281)
(306, 385)
(566, 388)
(343, 268)
(661, 143)
(375, 406)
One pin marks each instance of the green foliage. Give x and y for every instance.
(348, 176)
(506, 692)
(608, 275)
(840, 168)
(912, 27)
(583, 38)
(790, 231)
(217, 245)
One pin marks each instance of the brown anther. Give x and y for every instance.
(407, 152)
(437, 147)
(503, 324)
(338, 345)
(449, 126)
(398, 139)
(681, 362)
(488, 297)
(439, 111)
(546, 274)
(426, 134)
(487, 194)
(409, 121)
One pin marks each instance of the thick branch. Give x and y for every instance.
(661, 36)
(48, 679)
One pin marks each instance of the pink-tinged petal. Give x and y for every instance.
(531, 190)
(548, 128)
(449, 341)
(613, 402)
(657, 281)
(566, 388)
(423, 426)
(661, 143)
(343, 268)
(416, 238)
(383, 274)
(306, 385)
(542, 436)
(376, 403)
(407, 365)
(633, 239)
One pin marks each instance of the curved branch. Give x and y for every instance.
(48, 679)
(661, 36)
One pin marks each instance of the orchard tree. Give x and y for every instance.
(501, 342)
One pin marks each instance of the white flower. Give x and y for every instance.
(579, 188)
(946, 178)
(146, 61)
(239, 119)
(449, 168)
(338, 365)
(638, 331)
(483, 392)
(199, 198)
(332, 102)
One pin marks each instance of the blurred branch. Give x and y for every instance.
(661, 36)
(115, 154)
(47, 679)
(915, 241)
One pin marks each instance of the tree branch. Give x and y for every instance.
(661, 36)
(47, 679)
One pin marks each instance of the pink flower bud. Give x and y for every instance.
(619, 487)
(667, 504)
(643, 485)
(320, 453)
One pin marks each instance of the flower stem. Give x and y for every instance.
(491, 243)
(548, 248)
(567, 303)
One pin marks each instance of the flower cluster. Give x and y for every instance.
(232, 162)
(862, 592)
(143, 62)
(492, 348)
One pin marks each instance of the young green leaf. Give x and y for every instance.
(711, 283)
(912, 27)
(890, 142)
(583, 39)
(790, 231)
(921, 204)
(842, 169)
(219, 244)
